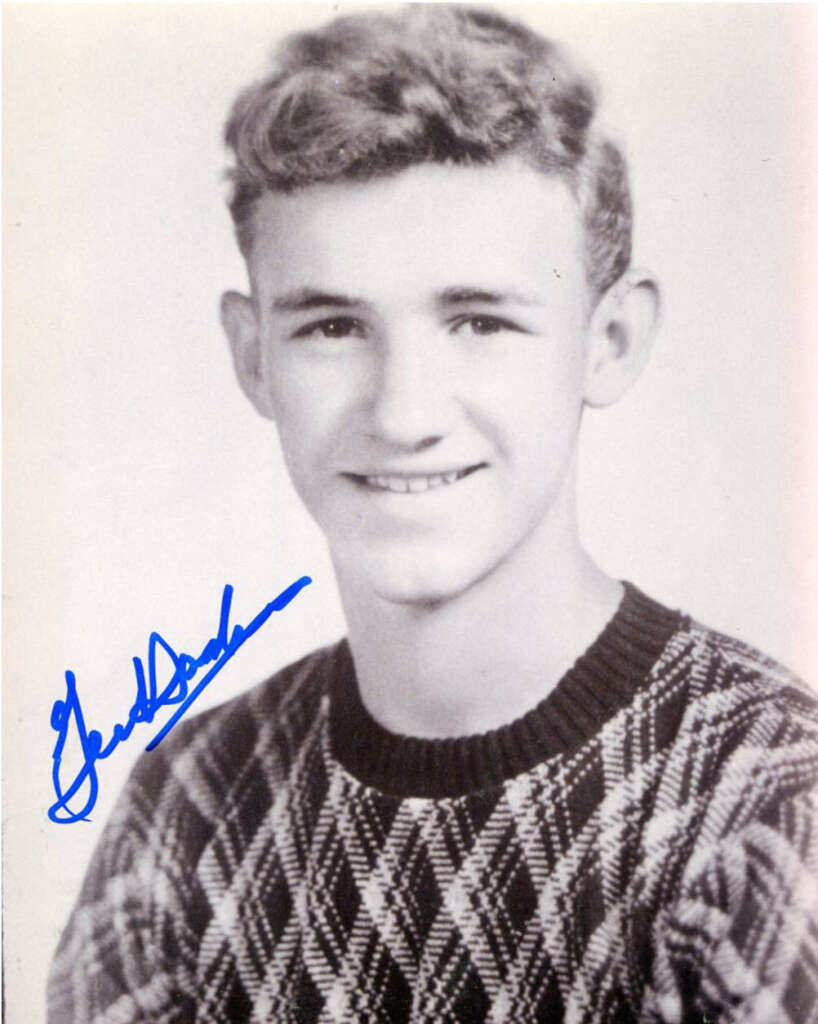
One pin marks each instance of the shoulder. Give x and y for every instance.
(282, 705)
(743, 751)
(734, 736)
(714, 706)
(192, 779)
(738, 690)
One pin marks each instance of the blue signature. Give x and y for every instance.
(67, 713)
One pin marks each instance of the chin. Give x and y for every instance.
(426, 594)
(421, 581)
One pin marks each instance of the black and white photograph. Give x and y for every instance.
(410, 478)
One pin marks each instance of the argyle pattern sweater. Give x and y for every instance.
(641, 846)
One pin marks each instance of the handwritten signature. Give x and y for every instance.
(67, 714)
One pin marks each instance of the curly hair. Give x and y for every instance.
(372, 94)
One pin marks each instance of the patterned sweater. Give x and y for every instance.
(641, 846)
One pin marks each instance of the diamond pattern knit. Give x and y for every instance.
(642, 846)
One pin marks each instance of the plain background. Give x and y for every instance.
(138, 481)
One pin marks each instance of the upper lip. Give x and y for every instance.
(416, 471)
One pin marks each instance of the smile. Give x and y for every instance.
(414, 483)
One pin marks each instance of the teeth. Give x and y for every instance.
(413, 484)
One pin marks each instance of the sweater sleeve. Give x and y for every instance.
(740, 946)
(123, 956)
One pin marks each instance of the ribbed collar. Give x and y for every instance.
(601, 682)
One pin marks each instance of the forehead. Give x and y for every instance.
(427, 227)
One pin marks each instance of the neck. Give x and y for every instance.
(487, 655)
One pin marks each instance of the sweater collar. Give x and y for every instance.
(601, 682)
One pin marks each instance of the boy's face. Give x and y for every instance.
(421, 342)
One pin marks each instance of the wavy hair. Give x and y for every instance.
(372, 94)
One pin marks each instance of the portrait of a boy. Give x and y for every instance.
(520, 788)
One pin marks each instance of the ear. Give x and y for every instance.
(621, 331)
(240, 324)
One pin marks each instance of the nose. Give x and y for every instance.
(412, 405)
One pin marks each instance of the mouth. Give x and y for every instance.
(413, 483)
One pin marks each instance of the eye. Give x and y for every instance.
(483, 325)
(337, 327)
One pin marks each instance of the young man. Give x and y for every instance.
(521, 790)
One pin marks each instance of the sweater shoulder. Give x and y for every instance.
(283, 704)
(746, 727)
(731, 672)
(193, 779)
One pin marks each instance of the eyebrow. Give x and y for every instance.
(464, 294)
(303, 299)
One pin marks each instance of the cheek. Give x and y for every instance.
(534, 402)
(303, 427)
(311, 404)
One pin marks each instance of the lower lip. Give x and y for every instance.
(362, 485)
